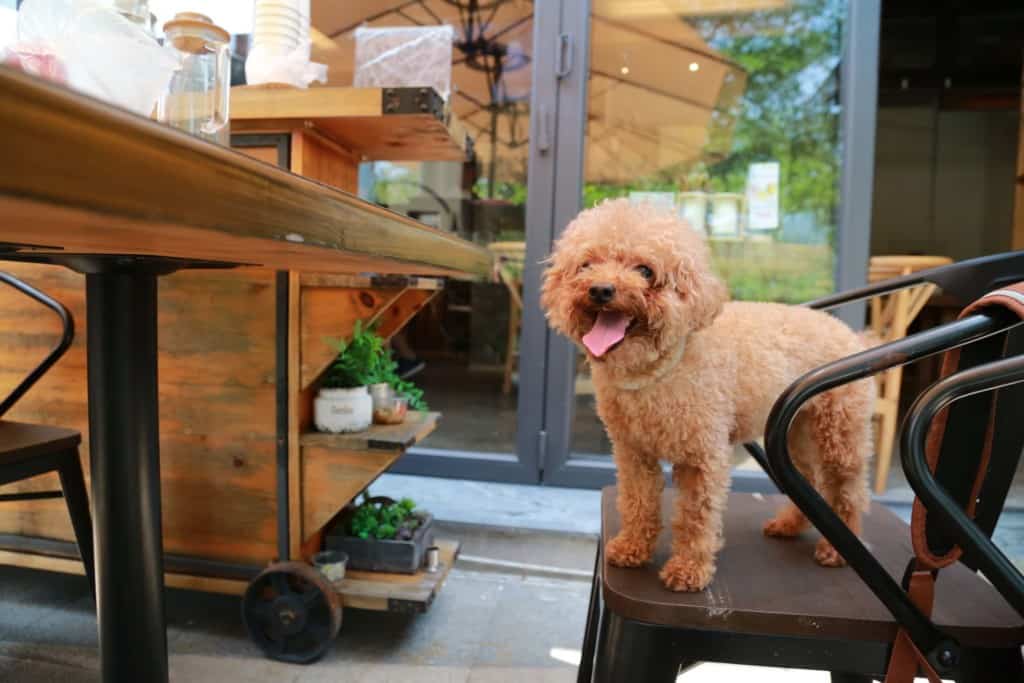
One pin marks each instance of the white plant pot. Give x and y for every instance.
(343, 410)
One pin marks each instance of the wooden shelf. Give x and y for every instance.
(380, 124)
(407, 593)
(417, 426)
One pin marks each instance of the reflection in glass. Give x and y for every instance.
(727, 112)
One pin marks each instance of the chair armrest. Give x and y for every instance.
(67, 335)
(920, 629)
(965, 280)
(993, 563)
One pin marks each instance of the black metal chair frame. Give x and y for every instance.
(66, 463)
(655, 653)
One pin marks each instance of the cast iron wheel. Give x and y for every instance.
(291, 612)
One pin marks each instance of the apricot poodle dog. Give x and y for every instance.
(683, 376)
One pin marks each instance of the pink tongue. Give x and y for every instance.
(609, 329)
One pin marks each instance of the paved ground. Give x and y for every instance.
(490, 623)
(486, 627)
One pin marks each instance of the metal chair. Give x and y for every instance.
(29, 450)
(770, 605)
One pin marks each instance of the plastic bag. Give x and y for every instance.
(266, 66)
(406, 56)
(98, 51)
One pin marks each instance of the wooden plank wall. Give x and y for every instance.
(217, 372)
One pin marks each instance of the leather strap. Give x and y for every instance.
(905, 659)
(1012, 299)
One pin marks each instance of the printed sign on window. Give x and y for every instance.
(763, 196)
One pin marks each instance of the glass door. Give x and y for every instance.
(478, 349)
(728, 113)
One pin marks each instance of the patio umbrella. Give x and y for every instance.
(659, 96)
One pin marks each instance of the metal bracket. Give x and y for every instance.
(111, 263)
(413, 101)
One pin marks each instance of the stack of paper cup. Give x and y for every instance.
(280, 26)
(281, 47)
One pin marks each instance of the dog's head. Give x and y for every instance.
(629, 283)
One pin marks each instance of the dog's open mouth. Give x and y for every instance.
(609, 329)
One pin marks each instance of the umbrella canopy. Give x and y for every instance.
(659, 96)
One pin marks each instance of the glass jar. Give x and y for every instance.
(196, 99)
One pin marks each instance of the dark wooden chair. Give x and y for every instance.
(771, 605)
(29, 450)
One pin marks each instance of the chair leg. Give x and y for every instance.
(628, 651)
(77, 500)
(586, 670)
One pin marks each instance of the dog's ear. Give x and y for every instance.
(704, 293)
(553, 278)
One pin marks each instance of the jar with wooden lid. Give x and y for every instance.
(197, 97)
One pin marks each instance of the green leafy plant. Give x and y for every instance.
(365, 359)
(384, 521)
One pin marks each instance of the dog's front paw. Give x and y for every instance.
(684, 574)
(827, 556)
(627, 551)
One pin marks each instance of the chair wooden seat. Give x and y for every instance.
(773, 587)
(20, 441)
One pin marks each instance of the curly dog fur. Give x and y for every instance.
(694, 376)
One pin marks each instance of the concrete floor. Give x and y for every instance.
(484, 627)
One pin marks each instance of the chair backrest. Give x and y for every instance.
(67, 336)
(992, 345)
(970, 422)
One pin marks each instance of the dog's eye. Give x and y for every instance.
(646, 272)
(584, 265)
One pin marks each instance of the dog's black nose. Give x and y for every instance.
(601, 294)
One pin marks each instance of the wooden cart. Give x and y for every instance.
(248, 488)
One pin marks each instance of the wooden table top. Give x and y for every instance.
(80, 176)
(773, 586)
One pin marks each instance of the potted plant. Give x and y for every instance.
(391, 394)
(381, 534)
(343, 403)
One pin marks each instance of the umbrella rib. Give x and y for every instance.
(513, 25)
(372, 17)
(429, 11)
(651, 89)
(713, 56)
(405, 16)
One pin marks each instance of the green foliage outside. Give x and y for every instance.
(364, 359)
(384, 521)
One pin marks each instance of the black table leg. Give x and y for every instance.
(124, 452)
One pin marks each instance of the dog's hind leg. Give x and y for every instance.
(841, 428)
(789, 521)
(640, 483)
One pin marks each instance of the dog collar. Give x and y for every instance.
(668, 365)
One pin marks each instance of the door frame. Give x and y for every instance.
(524, 466)
(858, 98)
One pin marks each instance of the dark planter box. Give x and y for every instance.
(403, 557)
